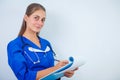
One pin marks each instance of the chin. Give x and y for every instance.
(38, 31)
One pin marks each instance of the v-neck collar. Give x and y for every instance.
(26, 40)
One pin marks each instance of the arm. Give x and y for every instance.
(45, 72)
(17, 63)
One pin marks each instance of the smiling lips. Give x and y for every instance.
(38, 26)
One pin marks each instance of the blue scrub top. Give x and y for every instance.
(21, 64)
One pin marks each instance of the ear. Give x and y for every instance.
(25, 17)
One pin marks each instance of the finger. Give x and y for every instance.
(75, 69)
(70, 72)
(65, 61)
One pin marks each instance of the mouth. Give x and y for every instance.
(38, 27)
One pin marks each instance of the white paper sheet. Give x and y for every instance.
(73, 63)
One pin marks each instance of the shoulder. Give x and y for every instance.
(14, 42)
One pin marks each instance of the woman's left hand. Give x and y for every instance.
(70, 73)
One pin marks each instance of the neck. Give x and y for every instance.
(32, 37)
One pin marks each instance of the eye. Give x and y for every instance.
(43, 20)
(36, 18)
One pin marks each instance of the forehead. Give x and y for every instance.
(40, 13)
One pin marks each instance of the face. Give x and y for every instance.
(35, 21)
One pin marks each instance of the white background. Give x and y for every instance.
(83, 28)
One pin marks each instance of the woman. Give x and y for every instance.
(30, 56)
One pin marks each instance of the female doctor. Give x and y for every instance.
(30, 56)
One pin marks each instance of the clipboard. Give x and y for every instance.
(73, 63)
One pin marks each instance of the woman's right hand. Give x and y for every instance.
(61, 63)
(47, 71)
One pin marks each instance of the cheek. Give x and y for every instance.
(31, 23)
(42, 24)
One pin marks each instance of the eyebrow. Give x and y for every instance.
(38, 16)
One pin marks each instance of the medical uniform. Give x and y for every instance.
(26, 58)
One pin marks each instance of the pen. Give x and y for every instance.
(57, 60)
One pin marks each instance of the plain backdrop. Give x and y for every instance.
(82, 28)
